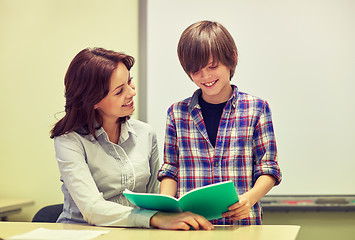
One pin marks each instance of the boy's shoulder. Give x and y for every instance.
(183, 104)
(243, 96)
(248, 101)
(242, 99)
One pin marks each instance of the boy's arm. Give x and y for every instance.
(168, 186)
(241, 209)
(262, 186)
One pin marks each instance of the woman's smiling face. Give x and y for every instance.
(119, 101)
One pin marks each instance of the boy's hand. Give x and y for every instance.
(183, 221)
(239, 210)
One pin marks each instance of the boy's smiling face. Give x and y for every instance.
(214, 81)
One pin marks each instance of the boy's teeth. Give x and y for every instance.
(209, 84)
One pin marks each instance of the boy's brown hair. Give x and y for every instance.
(202, 39)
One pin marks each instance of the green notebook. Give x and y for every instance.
(210, 201)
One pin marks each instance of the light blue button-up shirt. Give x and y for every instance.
(96, 172)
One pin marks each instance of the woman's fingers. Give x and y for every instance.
(183, 221)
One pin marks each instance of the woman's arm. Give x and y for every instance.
(76, 175)
(154, 164)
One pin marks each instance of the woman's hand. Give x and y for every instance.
(183, 221)
(239, 210)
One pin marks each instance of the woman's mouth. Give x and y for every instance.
(128, 104)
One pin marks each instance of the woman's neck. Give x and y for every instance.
(113, 131)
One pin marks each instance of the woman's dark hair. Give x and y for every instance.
(87, 82)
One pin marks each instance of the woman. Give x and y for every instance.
(101, 151)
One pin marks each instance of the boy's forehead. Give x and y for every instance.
(203, 62)
(210, 60)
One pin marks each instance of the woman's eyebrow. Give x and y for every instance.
(118, 87)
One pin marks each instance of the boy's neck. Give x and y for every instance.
(223, 96)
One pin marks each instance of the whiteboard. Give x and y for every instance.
(297, 55)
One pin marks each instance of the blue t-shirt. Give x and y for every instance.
(211, 116)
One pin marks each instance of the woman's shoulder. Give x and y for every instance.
(139, 126)
(72, 137)
(136, 122)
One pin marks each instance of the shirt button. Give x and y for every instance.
(216, 164)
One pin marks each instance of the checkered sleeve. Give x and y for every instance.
(170, 167)
(264, 145)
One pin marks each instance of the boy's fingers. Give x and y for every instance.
(239, 217)
(234, 206)
(238, 204)
(235, 212)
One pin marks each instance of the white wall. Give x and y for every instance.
(297, 55)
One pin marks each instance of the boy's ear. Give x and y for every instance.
(235, 57)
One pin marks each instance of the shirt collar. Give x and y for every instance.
(193, 102)
(126, 129)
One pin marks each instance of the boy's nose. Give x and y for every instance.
(204, 74)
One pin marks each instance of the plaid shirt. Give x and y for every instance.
(245, 148)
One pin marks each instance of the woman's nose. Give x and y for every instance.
(132, 90)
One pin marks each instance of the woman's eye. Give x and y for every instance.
(128, 83)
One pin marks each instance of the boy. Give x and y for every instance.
(219, 133)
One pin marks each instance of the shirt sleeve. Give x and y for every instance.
(76, 175)
(264, 146)
(154, 162)
(170, 167)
